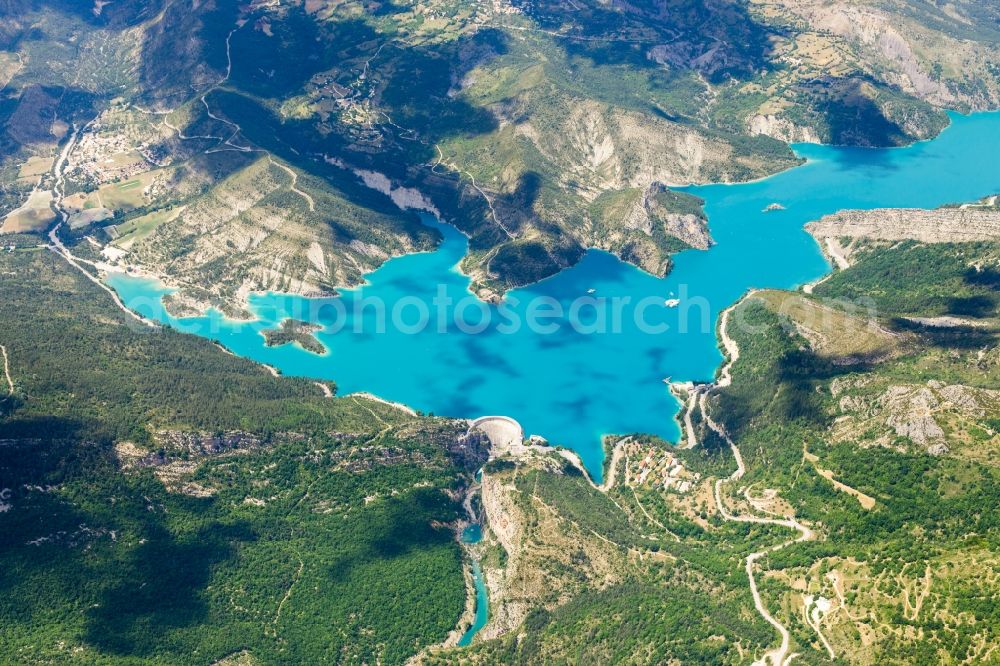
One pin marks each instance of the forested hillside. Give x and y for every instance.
(832, 498)
(166, 502)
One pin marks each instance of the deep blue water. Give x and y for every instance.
(574, 385)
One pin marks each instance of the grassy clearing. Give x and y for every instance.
(141, 227)
(34, 215)
(832, 332)
(127, 195)
(35, 166)
(118, 197)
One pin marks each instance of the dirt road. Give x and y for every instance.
(6, 371)
(778, 656)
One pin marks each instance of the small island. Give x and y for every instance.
(773, 207)
(298, 332)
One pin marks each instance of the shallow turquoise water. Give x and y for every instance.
(575, 385)
(482, 607)
(471, 535)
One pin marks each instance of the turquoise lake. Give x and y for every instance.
(588, 378)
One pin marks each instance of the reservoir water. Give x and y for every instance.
(586, 375)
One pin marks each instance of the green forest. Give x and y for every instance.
(314, 535)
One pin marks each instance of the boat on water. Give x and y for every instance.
(591, 291)
(672, 302)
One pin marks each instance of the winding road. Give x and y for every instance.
(56, 245)
(58, 248)
(616, 455)
(489, 202)
(295, 181)
(689, 404)
(696, 399)
(778, 656)
(6, 370)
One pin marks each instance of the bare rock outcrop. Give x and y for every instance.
(242, 236)
(781, 129)
(690, 229)
(910, 413)
(893, 43)
(506, 523)
(646, 230)
(933, 416)
(938, 449)
(686, 227)
(943, 225)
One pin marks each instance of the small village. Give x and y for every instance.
(657, 467)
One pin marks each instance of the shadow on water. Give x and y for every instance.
(478, 353)
(880, 162)
(576, 408)
(561, 338)
(457, 403)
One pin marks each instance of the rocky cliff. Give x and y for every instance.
(943, 225)
(267, 227)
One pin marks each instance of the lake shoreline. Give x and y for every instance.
(572, 387)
